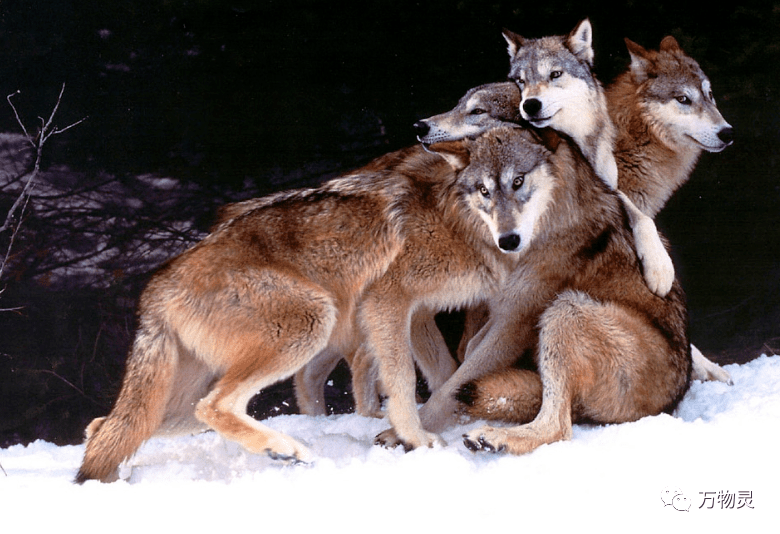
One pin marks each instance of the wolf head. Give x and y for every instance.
(481, 108)
(504, 178)
(554, 76)
(678, 96)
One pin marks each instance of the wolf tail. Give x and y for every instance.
(139, 409)
(510, 395)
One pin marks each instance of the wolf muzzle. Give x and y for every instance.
(509, 242)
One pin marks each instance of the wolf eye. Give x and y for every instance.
(483, 191)
(518, 182)
(478, 111)
(520, 82)
(684, 100)
(556, 74)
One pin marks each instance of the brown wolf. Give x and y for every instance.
(314, 270)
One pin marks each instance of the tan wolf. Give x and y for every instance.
(315, 270)
(430, 350)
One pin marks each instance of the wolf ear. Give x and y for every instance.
(670, 44)
(455, 152)
(580, 41)
(641, 62)
(514, 41)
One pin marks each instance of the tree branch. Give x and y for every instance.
(20, 204)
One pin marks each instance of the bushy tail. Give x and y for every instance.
(139, 410)
(510, 395)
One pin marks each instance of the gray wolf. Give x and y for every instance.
(308, 272)
(481, 108)
(558, 90)
(606, 348)
(665, 116)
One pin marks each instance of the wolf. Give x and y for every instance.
(558, 90)
(658, 116)
(480, 109)
(606, 348)
(664, 115)
(430, 350)
(315, 270)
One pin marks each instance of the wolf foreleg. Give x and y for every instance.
(657, 265)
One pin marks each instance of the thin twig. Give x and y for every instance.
(47, 130)
(20, 204)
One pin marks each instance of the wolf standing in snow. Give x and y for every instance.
(318, 270)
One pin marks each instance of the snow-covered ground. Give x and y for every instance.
(722, 439)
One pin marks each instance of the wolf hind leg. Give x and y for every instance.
(595, 365)
(705, 369)
(310, 380)
(140, 406)
(430, 350)
(299, 328)
(509, 395)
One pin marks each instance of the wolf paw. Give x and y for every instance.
(390, 439)
(707, 370)
(286, 458)
(286, 449)
(656, 263)
(481, 444)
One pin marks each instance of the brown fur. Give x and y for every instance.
(607, 348)
(430, 350)
(273, 287)
(652, 163)
(653, 160)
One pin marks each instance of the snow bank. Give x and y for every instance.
(718, 452)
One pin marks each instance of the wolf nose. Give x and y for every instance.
(421, 128)
(726, 135)
(509, 242)
(532, 106)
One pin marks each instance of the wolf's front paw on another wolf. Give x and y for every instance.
(657, 265)
(390, 440)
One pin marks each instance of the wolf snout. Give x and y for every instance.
(726, 135)
(421, 128)
(509, 242)
(532, 107)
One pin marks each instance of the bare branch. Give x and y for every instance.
(47, 130)
(19, 120)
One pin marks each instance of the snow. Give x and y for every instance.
(722, 439)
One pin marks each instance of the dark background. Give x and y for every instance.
(246, 97)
